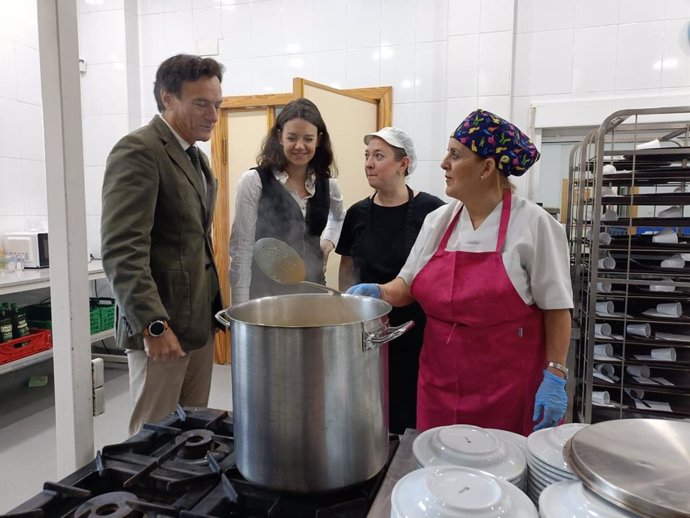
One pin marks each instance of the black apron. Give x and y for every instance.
(403, 356)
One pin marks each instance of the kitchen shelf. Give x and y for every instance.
(646, 182)
(35, 279)
(651, 155)
(641, 246)
(644, 222)
(665, 198)
(97, 337)
(46, 355)
(26, 361)
(608, 413)
(660, 176)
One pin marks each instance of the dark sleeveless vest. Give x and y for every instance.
(280, 217)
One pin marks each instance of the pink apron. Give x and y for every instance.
(484, 352)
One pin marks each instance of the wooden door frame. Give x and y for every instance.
(382, 96)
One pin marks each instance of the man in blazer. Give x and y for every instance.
(158, 199)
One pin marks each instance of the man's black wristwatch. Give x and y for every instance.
(156, 328)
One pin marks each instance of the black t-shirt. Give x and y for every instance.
(380, 256)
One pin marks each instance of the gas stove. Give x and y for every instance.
(184, 467)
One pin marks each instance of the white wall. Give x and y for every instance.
(111, 106)
(439, 55)
(23, 200)
(443, 58)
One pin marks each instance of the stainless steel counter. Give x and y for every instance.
(401, 465)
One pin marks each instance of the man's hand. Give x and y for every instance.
(163, 347)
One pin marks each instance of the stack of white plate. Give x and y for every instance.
(545, 461)
(458, 492)
(472, 447)
(570, 498)
(514, 438)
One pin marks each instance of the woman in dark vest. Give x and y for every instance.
(377, 237)
(291, 195)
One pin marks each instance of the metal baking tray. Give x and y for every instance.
(642, 465)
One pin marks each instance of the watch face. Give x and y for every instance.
(156, 328)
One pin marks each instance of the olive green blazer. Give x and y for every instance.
(156, 238)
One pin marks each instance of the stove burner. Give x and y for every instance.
(111, 505)
(184, 467)
(196, 444)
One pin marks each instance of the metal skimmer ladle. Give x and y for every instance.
(282, 263)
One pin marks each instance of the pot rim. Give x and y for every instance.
(230, 313)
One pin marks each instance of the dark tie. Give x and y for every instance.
(193, 153)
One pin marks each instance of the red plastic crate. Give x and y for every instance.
(39, 340)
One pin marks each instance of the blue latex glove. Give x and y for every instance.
(366, 290)
(551, 400)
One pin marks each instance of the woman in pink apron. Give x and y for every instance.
(492, 273)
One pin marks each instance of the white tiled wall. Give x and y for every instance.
(23, 204)
(443, 58)
(105, 44)
(602, 48)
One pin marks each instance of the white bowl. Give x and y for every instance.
(458, 492)
(572, 500)
(469, 446)
(547, 444)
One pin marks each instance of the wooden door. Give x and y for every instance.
(244, 122)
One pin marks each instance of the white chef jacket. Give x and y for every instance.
(242, 236)
(535, 253)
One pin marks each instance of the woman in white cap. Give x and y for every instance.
(377, 235)
(492, 273)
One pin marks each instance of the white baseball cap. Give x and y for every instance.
(396, 138)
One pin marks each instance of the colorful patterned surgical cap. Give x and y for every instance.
(490, 136)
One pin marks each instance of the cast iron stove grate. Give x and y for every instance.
(184, 467)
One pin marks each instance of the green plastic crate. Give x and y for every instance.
(95, 320)
(107, 317)
(101, 315)
(106, 309)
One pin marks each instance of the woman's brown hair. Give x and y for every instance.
(272, 155)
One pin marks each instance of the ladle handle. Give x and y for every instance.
(323, 287)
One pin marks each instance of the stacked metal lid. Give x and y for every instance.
(572, 499)
(641, 467)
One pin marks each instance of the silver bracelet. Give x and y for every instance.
(558, 367)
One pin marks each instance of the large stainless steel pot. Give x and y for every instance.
(310, 389)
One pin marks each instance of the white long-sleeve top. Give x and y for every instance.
(535, 253)
(242, 235)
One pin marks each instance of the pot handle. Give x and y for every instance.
(221, 318)
(383, 335)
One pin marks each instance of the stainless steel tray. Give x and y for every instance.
(642, 465)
